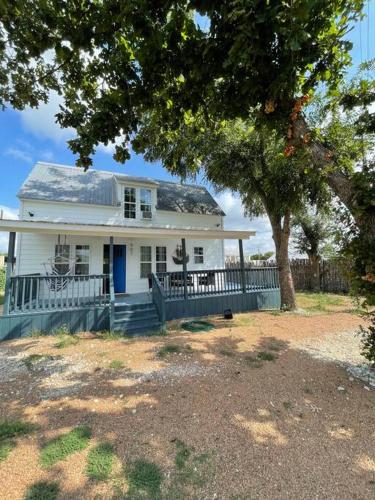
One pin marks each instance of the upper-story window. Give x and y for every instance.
(146, 210)
(130, 203)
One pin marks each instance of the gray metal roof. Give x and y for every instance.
(52, 182)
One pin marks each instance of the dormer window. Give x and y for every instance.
(130, 207)
(145, 202)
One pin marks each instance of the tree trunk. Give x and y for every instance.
(280, 235)
(315, 273)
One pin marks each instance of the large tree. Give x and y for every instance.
(248, 160)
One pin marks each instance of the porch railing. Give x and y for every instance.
(217, 281)
(43, 293)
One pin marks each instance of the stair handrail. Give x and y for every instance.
(158, 299)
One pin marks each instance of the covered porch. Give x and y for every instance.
(209, 289)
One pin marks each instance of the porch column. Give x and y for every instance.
(242, 266)
(9, 271)
(111, 286)
(184, 267)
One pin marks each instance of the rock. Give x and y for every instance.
(341, 388)
(367, 388)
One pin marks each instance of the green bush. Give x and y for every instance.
(2, 279)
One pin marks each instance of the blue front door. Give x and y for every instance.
(119, 268)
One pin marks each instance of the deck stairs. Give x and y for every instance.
(136, 319)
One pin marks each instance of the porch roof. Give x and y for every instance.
(44, 227)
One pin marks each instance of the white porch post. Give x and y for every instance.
(9, 271)
(184, 267)
(242, 266)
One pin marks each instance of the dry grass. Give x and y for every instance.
(241, 411)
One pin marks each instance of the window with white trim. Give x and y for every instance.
(198, 255)
(161, 259)
(62, 259)
(82, 259)
(145, 202)
(130, 203)
(146, 261)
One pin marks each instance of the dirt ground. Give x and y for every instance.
(296, 426)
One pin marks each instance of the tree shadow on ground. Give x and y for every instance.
(272, 426)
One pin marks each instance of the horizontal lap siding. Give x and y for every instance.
(206, 306)
(88, 319)
(103, 215)
(34, 250)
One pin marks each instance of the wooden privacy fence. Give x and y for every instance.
(332, 275)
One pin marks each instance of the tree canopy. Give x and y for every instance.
(111, 61)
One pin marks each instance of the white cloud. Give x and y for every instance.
(7, 213)
(42, 121)
(19, 154)
(235, 220)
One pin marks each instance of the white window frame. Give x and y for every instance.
(161, 261)
(130, 206)
(145, 208)
(144, 261)
(198, 255)
(84, 262)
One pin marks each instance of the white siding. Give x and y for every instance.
(92, 214)
(34, 250)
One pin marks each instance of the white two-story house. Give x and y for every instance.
(97, 240)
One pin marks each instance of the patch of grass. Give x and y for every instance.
(266, 356)
(10, 429)
(6, 446)
(43, 490)
(182, 456)
(276, 312)
(168, 349)
(319, 302)
(33, 359)
(59, 448)
(307, 390)
(35, 333)
(116, 364)
(111, 335)
(287, 405)
(15, 428)
(145, 476)
(243, 320)
(253, 361)
(66, 341)
(226, 352)
(100, 461)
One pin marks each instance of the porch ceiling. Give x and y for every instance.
(26, 226)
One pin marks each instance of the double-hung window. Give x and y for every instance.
(130, 203)
(161, 259)
(198, 255)
(146, 261)
(82, 259)
(146, 203)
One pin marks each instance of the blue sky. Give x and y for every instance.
(32, 135)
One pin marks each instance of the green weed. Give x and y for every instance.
(33, 359)
(145, 476)
(43, 490)
(266, 356)
(168, 349)
(8, 431)
(59, 448)
(100, 461)
(116, 364)
(183, 454)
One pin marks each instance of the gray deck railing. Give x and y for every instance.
(43, 293)
(217, 281)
